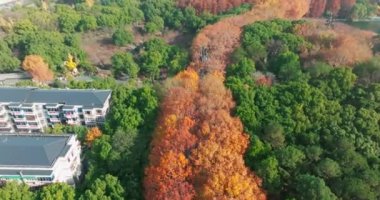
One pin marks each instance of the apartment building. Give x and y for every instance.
(39, 159)
(33, 109)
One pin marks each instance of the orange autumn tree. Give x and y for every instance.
(317, 8)
(167, 176)
(333, 6)
(219, 170)
(92, 135)
(35, 65)
(197, 149)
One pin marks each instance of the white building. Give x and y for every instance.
(32, 109)
(39, 159)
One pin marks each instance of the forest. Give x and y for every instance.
(314, 129)
(279, 109)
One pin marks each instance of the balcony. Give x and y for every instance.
(30, 112)
(5, 129)
(22, 126)
(17, 112)
(70, 115)
(54, 113)
(54, 120)
(16, 119)
(73, 122)
(5, 125)
(31, 118)
(4, 118)
(35, 126)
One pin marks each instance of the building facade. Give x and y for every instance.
(32, 109)
(37, 160)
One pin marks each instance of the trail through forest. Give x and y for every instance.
(198, 147)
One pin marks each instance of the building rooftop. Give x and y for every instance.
(32, 150)
(87, 98)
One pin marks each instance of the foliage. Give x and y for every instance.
(122, 37)
(363, 9)
(57, 191)
(124, 63)
(92, 135)
(156, 55)
(36, 66)
(105, 187)
(125, 137)
(164, 13)
(311, 137)
(8, 62)
(213, 6)
(15, 191)
(311, 187)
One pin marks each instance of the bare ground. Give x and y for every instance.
(99, 47)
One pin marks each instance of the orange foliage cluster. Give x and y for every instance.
(213, 6)
(197, 149)
(318, 7)
(92, 135)
(167, 177)
(333, 6)
(218, 166)
(342, 45)
(36, 66)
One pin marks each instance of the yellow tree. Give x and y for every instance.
(70, 64)
(92, 135)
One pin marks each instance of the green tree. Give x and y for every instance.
(8, 62)
(57, 191)
(287, 66)
(369, 71)
(309, 187)
(87, 23)
(68, 19)
(156, 24)
(104, 188)
(274, 135)
(244, 68)
(338, 83)
(154, 57)
(318, 69)
(268, 169)
(122, 37)
(124, 63)
(290, 157)
(15, 191)
(314, 153)
(328, 168)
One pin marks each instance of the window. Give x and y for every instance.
(99, 112)
(33, 123)
(88, 112)
(30, 118)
